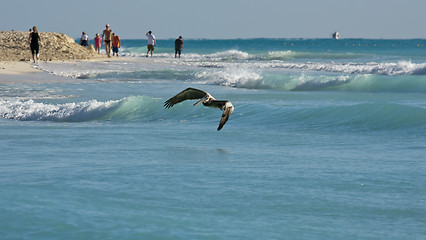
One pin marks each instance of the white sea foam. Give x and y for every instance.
(278, 60)
(229, 55)
(289, 55)
(309, 83)
(234, 77)
(29, 110)
(76, 69)
(398, 68)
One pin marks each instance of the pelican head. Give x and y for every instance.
(205, 99)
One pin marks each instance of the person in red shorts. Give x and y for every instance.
(116, 44)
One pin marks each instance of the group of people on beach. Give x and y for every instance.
(152, 42)
(110, 39)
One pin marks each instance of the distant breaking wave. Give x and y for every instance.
(232, 58)
(309, 81)
(219, 60)
(399, 68)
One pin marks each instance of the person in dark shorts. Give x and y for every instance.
(178, 46)
(107, 37)
(34, 40)
(84, 40)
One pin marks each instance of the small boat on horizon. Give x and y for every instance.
(336, 35)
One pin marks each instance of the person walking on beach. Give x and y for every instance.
(116, 44)
(152, 42)
(107, 37)
(34, 40)
(98, 42)
(84, 40)
(178, 46)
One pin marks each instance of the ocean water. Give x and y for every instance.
(327, 141)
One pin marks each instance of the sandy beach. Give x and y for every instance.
(14, 68)
(24, 72)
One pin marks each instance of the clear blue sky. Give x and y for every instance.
(218, 19)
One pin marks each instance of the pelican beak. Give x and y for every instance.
(199, 102)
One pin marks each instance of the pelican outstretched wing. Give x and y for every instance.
(229, 108)
(189, 93)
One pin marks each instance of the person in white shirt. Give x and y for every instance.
(151, 43)
(84, 40)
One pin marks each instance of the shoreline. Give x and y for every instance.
(17, 68)
(25, 73)
(20, 72)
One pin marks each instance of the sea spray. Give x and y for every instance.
(29, 110)
(233, 76)
(128, 108)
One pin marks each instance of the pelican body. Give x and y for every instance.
(206, 99)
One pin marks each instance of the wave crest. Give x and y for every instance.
(398, 68)
(234, 77)
(229, 55)
(29, 110)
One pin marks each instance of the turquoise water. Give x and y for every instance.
(327, 141)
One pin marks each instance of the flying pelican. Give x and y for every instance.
(207, 100)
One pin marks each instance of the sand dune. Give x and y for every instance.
(14, 46)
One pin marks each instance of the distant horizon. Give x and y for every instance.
(236, 38)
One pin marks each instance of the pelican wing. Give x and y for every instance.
(189, 93)
(229, 108)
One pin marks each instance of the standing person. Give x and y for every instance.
(35, 40)
(151, 43)
(84, 40)
(116, 44)
(30, 31)
(98, 42)
(178, 46)
(107, 37)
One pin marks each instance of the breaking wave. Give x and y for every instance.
(30, 110)
(398, 68)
